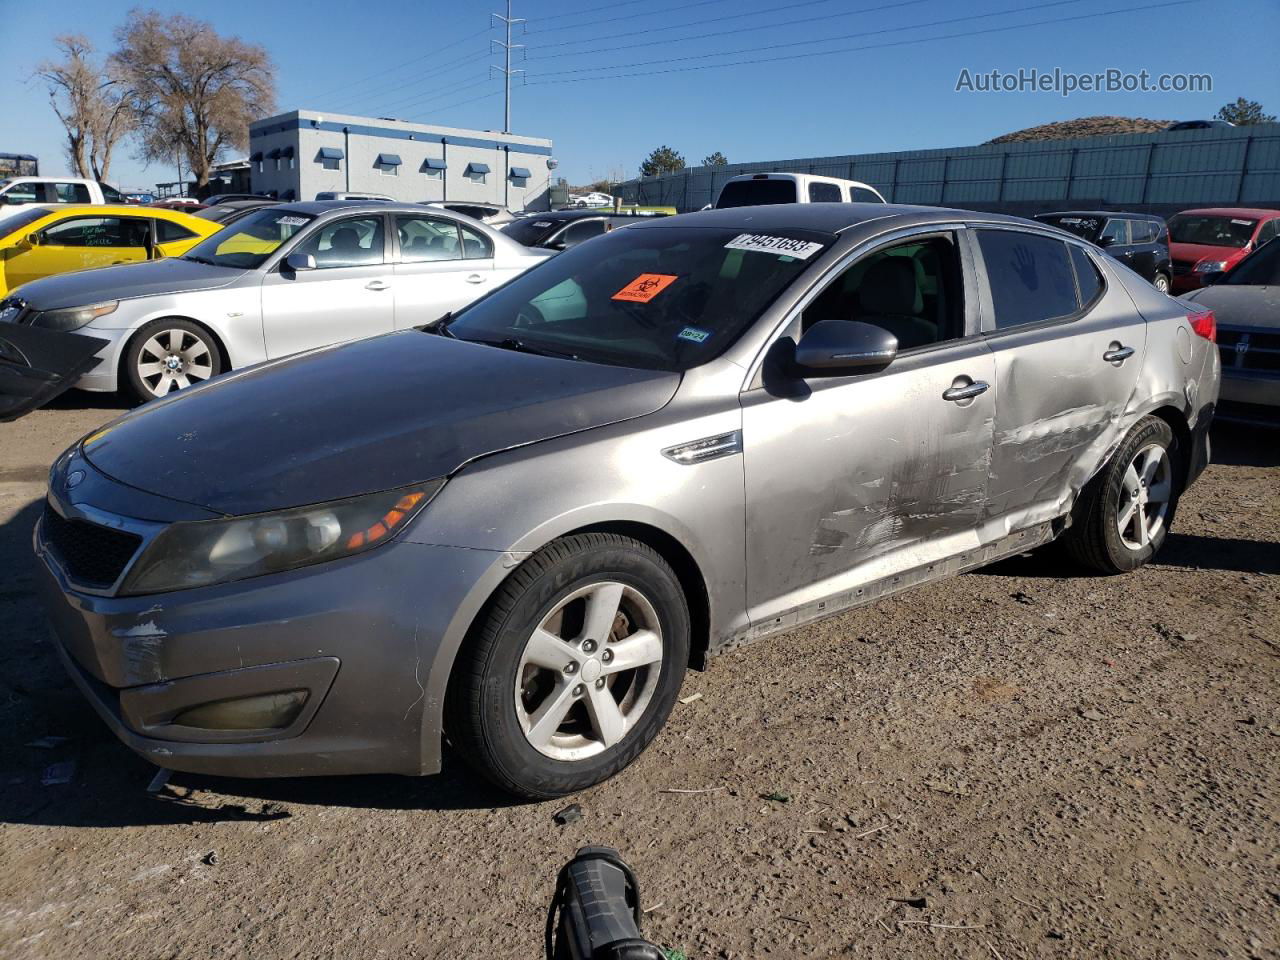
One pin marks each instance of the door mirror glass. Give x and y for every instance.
(834, 347)
(296, 262)
(1105, 241)
(27, 242)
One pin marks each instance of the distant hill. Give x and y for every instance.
(1084, 127)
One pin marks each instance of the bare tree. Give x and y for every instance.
(195, 91)
(89, 100)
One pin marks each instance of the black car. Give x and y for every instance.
(562, 229)
(1138, 240)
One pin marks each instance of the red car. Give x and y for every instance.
(1214, 240)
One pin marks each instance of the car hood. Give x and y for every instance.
(124, 282)
(371, 415)
(1237, 305)
(1195, 252)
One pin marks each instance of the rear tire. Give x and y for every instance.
(573, 668)
(1123, 515)
(1162, 282)
(169, 355)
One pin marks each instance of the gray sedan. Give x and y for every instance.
(517, 528)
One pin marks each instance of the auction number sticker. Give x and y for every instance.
(292, 221)
(1242, 223)
(645, 287)
(763, 243)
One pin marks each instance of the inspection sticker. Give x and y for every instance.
(645, 287)
(693, 334)
(762, 243)
(542, 223)
(293, 221)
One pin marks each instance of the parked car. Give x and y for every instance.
(521, 524)
(1199, 124)
(229, 211)
(219, 198)
(754, 189)
(562, 229)
(1247, 304)
(16, 193)
(1214, 240)
(1138, 240)
(340, 195)
(594, 199)
(140, 198)
(46, 241)
(186, 204)
(495, 215)
(280, 280)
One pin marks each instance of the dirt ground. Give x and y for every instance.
(1021, 762)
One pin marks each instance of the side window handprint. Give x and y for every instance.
(1024, 264)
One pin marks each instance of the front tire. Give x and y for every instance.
(1162, 282)
(169, 355)
(573, 669)
(1123, 516)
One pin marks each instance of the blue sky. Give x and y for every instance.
(427, 61)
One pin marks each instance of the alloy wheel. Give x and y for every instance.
(589, 671)
(1145, 492)
(1162, 283)
(173, 359)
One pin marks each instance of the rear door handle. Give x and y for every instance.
(377, 285)
(975, 389)
(475, 278)
(1118, 354)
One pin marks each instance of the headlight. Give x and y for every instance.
(1211, 266)
(72, 318)
(217, 551)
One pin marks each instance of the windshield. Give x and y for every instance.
(1211, 231)
(656, 298)
(1260, 269)
(1085, 227)
(751, 193)
(250, 241)
(529, 231)
(20, 221)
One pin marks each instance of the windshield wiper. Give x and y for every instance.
(198, 260)
(512, 343)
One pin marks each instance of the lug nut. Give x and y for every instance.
(571, 667)
(589, 646)
(600, 684)
(579, 690)
(607, 656)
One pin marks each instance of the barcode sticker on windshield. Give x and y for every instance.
(542, 223)
(762, 243)
(1243, 223)
(645, 287)
(291, 221)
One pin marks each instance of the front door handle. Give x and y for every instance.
(377, 285)
(1118, 354)
(475, 278)
(967, 392)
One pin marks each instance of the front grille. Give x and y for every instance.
(1257, 351)
(91, 554)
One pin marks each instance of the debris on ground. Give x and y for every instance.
(1022, 597)
(777, 797)
(691, 698)
(159, 780)
(917, 903)
(570, 814)
(1092, 714)
(210, 859)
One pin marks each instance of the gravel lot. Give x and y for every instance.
(1021, 762)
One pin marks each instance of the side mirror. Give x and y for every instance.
(831, 348)
(1105, 242)
(27, 242)
(297, 262)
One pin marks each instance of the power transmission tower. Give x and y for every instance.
(507, 48)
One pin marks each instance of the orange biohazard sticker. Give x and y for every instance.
(645, 287)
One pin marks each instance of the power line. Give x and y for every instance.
(393, 69)
(607, 6)
(444, 68)
(724, 33)
(417, 100)
(832, 39)
(872, 46)
(614, 18)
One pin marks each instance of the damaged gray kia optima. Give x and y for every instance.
(516, 528)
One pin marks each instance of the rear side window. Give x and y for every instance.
(169, 232)
(97, 232)
(1142, 231)
(1031, 277)
(109, 193)
(824, 193)
(752, 193)
(582, 231)
(1087, 276)
(863, 195)
(71, 193)
(475, 246)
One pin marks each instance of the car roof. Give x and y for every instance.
(1099, 213)
(1257, 213)
(588, 214)
(316, 208)
(824, 217)
(112, 209)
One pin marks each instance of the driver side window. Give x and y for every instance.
(354, 242)
(913, 289)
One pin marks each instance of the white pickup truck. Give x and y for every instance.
(19, 192)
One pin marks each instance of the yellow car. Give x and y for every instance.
(42, 241)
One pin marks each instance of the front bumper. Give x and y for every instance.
(365, 640)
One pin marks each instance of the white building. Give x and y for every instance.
(296, 155)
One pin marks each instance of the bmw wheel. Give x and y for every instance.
(574, 668)
(169, 355)
(1123, 516)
